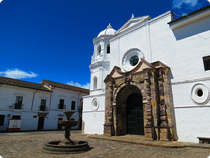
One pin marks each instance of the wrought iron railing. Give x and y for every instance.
(18, 106)
(42, 108)
(61, 106)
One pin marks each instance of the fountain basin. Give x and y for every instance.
(53, 147)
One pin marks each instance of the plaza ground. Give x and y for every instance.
(29, 145)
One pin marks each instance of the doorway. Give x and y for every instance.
(135, 114)
(129, 111)
(40, 123)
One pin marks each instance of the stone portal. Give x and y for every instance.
(139, 102)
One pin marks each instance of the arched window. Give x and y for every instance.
(108, 48)
(95, 82)
(99, 50)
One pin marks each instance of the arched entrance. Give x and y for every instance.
(135, 114)
(129, 111)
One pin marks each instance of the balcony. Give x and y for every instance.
(18, 106)
(61, 106)
(42, 108)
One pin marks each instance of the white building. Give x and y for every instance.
(65, 97)
(151, 77)
(37, 106)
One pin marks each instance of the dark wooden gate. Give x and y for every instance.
(40, 123)
(135, 119)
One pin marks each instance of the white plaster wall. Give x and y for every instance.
(28, 122)
(192, 123)
(8, 96)
(181, 49)
(67, 95)
(93, 120)
(119, 46)
(192, 119)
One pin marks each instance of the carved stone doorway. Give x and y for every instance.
(129, 111)
(135, 114)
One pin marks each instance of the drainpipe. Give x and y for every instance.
(78, 100)
(51, 97)
(79, 111)
(33, 100)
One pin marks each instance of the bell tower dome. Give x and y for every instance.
(100, 61)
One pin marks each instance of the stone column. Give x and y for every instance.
(167, 92)
(155, 107)
(108, 126)
(149, 129)
(162, 106)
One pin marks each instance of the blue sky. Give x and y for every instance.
(52, 39)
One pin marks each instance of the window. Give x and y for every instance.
(43, 105)
(73, 105)
(95, 83)
(95, 104)
(134, 60)
(18, 102)
(99, 50)
(2, 120)
(61, 104)
(108, 48)
(206, 61)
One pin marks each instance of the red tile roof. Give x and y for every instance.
(24, 84)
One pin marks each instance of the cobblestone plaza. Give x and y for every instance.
(30, 146)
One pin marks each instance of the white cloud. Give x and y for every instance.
(18, 74)
(1, 1)
(86, 86)
(179, 3)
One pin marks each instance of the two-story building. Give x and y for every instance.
(38, 106)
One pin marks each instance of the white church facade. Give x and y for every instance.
(151, 77)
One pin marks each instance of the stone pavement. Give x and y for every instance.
(30, 146)
(138, 139)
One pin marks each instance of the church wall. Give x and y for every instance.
(119, 46)
(192, 43)
(183, 50)
(191, 117)
(192, 123)
(93, 117)
(162, 41)
(183, 47)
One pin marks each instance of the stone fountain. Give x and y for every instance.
(66, 146)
